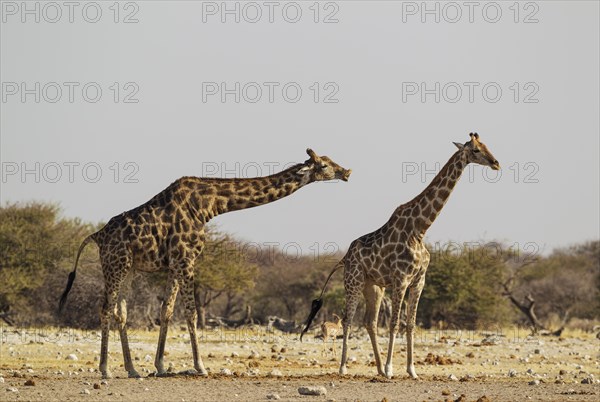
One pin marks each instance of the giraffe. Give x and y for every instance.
(330, 330)
(168, 232)
(394, 256)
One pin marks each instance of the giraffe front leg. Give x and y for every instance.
(165, 315)
(187, 294)
(411, 318)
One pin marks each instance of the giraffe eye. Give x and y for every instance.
(323, 166)
(476, 151)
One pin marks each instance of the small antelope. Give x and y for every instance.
(331, 329)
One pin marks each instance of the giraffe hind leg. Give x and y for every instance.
(373, 295)
(111, 294)
(352, 299)
(165, 315)
(121, 316)
(187, 294)
(398, 292)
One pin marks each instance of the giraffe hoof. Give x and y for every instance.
(193, 372)
(134, 374)
(107, 375)
(412, 373)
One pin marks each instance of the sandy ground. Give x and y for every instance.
(253, 364)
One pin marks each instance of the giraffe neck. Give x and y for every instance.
(240, 194)
(429, 203)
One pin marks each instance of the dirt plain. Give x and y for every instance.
(254, 364)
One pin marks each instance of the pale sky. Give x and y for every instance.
(525, 78)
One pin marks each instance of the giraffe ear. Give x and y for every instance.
(459, 145)
(304, 169)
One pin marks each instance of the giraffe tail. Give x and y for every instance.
(318, 303)
(63, 298)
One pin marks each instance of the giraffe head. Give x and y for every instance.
(477, 152)
(321, 168)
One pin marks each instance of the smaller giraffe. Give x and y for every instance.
(395, 257)
(330, 330)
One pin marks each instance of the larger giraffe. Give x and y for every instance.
(394, 256)
(167, 232)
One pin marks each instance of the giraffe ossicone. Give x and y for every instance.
(167, 232)
(394, 256)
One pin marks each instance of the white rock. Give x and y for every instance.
(147, 358)
(452, 377)
(71, 357)
(12, 389)
(512, 373)
(225, 371)
(85, 391)
(273, 396)
(534, 382)
(312, 391)
(275, 373)
(1, 380)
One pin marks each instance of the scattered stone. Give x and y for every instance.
(530, 371)
(283, 350)
(562, 372)
(484, 398)
(71, 357)
(103, 382)
(587, 381)
(439, 360)
(452, 377)
(147, 358)
(96, 385)
(275, 373)
(235, 354)
(85, 391)
(470, 355)
(512, 373)
(490, 340)
(225, 371)
(12, 389)
(534, 382)
(30, 383)
(537, 351)
(273, 396)
(461, 398)
(211, 355)
(312, 391)
(1, 380)
(446, 392)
